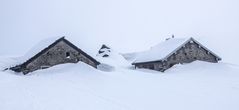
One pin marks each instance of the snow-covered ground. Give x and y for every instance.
(195, 86)
(128, 26)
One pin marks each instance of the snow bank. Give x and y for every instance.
(115, 60)
(196, 86)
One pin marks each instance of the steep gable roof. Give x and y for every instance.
(82, 52)
(45, 45)
(165, 49)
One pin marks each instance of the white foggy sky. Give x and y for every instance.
(126, 25)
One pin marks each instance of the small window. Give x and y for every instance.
(67, 54)
(171, 65)
(44, 67)
(151, 67)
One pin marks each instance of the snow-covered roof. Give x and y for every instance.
(160, 51)
(90, 50)
(164, 49)
(38, 48)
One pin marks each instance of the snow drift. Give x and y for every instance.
(197, 86)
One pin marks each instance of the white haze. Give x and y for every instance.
(126, 25)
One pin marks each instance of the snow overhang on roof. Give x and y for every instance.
(165, 49)
(46, 43)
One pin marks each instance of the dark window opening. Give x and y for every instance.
(171, 65)
(151, 67)
(44, 67)
(67, 54)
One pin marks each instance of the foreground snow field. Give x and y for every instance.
(127, 26)
(196, 86)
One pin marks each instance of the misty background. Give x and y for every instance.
(125, 25)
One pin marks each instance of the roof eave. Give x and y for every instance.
(135, 63)
(206, 49)
(42, 51)
(166, 57)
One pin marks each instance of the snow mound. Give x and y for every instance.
(6, 62)
(105, 67)
(67, 67)
(130, 56)
(195, 86)
(203, 67)
(111, 59)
